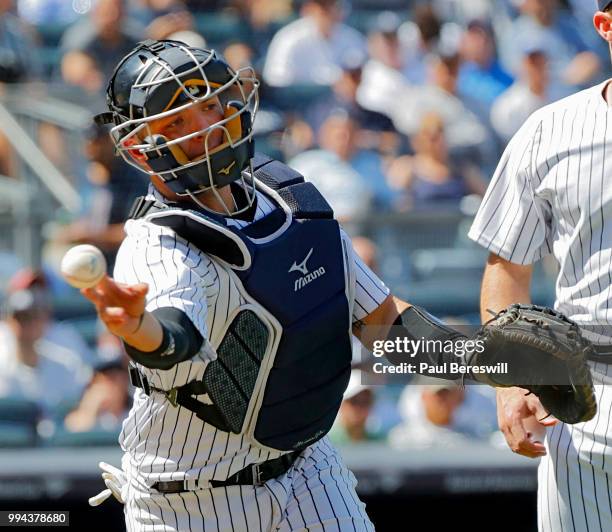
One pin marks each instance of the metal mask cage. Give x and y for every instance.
(134, 133)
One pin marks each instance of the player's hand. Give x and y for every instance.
(516, 411)
(119, 305)
(116, 485)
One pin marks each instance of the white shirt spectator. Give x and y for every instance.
(39, 12)
(512, 108)
(346, 191)
(298, 53)
(61, 374)
(473, 420)
(379, 87)
(462, 127)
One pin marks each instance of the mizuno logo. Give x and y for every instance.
(226, 170)
(301, 267)
(307, 277)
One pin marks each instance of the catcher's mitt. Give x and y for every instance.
(545, 353)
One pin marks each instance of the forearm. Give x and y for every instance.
(166, 337)
(400, 323)
(503, 283)
(147, 336)
(582, 68)
(434, 347)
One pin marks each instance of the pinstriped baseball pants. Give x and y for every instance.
(575, 478)
(316, 494)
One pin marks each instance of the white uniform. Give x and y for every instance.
(552, 193)
(164, 443)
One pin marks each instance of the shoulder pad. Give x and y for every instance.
(275, 174)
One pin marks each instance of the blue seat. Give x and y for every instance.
(18, 410)
(220, 28)
(18, 419)
(16, 434)
(51, 34)
(91, 438)
(306, 94)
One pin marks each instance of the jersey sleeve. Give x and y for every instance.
(368, 290)
(178, 275)
(513, 221)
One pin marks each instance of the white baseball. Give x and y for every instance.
(83, 266)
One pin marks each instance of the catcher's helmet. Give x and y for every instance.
(159, 79)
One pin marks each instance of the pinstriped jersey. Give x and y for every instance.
(552, 194)
(167, 443)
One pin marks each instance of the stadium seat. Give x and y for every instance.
(51, 34)
(220, 28)
(16, 435)
(50, 58)
(18, 410)
(306, 94)
(382, 5)
(91, 438)
(448, 263)
(18, 419)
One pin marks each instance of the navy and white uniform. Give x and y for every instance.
(166, 443)
(552, 194)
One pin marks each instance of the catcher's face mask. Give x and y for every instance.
(183, 114)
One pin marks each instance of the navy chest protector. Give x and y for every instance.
(284, 361)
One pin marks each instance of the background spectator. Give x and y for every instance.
(38, 12)
(40, 360)
(481, 77)
(19, 60)
(344, 96)
(383, 76)
(420, 38)
(438, 413)
(466, 135)
(351, 425)
(106, 35)
(114, 186)
(572, 64)
(105, 401)
(526, 95)
(330, 168)
(430, 174)
(310, 49)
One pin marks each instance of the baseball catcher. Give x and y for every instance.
(236, 294)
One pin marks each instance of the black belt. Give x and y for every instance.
(253, 475)
(602, 353)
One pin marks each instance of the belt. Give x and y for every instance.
(602, 353)
(253, 475)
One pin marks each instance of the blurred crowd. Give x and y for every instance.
(388, 106)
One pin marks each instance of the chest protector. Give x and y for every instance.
(284, 361)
